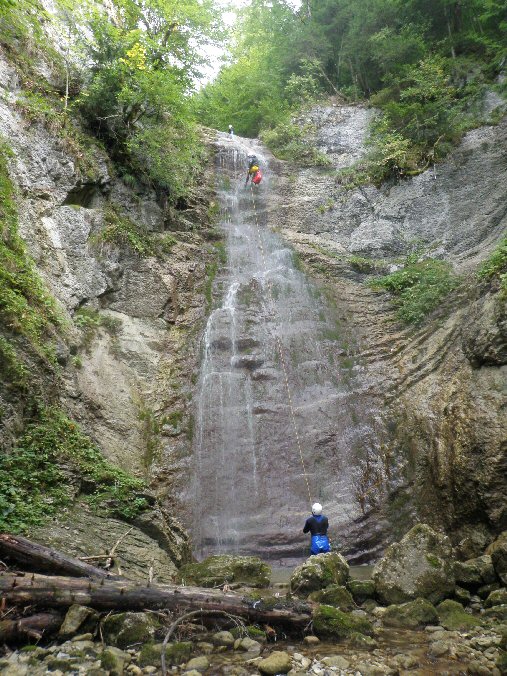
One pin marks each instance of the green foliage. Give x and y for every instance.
(50, 464)
(418, 288)
(290, 142)
(135, 98)
(122, 231)
(26, 307)
(425, 65)
(496, 266)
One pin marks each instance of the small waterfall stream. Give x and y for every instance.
(248, 490)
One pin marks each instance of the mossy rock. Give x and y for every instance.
(319, 572)
(420, 566)
(452, 616)
(333, 624)
(462, 596)
(410, 615)
(498, 552)
(175, 654)
(361, 590)
(362, 642)
(251, 631)
(334, 595)
(496, 598)
(474, 573)
(127, 629)
(225, 569)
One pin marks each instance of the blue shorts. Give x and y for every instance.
(320, 544)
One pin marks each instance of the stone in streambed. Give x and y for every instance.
(176, 653)
(332, 623)
(362, 642)
(223, 638)
(452, 616)
(496, 598)
(114, 660)
(420, 566)
(462, 596)
(279, 662)
(410, 615)
(198, 664)
(361, 590)
(334, 595)
(78, 618)
(336, 661)
(319, 572)
(226, 569)
(475, 572)
(126, 629)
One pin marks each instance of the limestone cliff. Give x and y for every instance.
(441, 386)
(130, 325)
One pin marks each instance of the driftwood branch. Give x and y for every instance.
(40, 558)
(61, 592)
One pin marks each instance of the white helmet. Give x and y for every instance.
(317, 509)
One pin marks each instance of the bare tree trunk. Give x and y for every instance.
(62, 592)
(30, 627)
(40, 558)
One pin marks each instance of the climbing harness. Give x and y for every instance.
(281, 353)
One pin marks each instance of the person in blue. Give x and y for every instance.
(317, 525)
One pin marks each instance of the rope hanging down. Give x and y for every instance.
(281, 353)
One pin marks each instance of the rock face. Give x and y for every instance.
(319, 572)
(498, 552)
(441, 387)
(220, 570)
(418, 566)
(126, 371)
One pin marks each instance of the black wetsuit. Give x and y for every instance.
(316, 525)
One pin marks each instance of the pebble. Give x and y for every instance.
(311, 640)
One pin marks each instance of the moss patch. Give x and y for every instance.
(331, 623)
(453, 617)
(176, 653)
(410, 615)
(334, 595)
(51, 463)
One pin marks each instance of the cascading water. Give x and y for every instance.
(249, 491)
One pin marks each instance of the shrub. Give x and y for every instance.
(496, 266)
(418, 288)
(289, 141)
(36, 478)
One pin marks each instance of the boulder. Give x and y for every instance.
(362, 642)
(410, 615)
(175, 654)
(498, 552)
(198, 664)
(475, 572)
(336, 661)
(486, 590)
(78, 618)
(361, 590)
(334, 595)
(452, 616)
(279, 662)
(319, 572)
(114, 660)
(226, 569)
(463, 596)
(420, 566)
(224, 638)
(248, 644)
(126, 629)
(332, 623)
(496, 598)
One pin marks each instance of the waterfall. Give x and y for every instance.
(248, 489)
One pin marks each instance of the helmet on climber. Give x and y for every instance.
(317, 525)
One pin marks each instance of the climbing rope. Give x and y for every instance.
(281, 352)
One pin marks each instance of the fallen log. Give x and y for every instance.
(40, 558)
(60, 592)
(33, 627)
